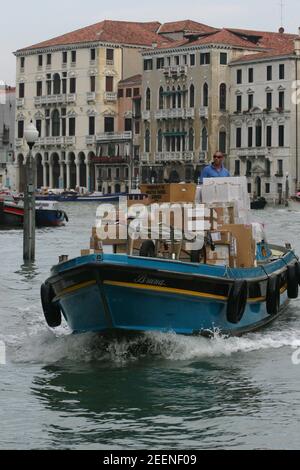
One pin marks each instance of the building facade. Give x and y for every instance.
(7, 134)
(68, 87)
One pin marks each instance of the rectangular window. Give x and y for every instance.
(250, 136)
(63, 127)
(109, 124)
(239, 76)
(176, 60)
(250, 102)
(192, 60)
(20, 129)
(136, 92)
(269, 72)
(21, 90)
(137, 127)
(280, 167)
(269, 101)
(93, 83)
(239, 103)
(93, 54)
(73, 57)
(205, 58)
(120, 92)
(73, 85)
(250, 75)
(222, 142)
(238, 137)
(64, 86)
(148, 64)
(281, 72)
(128, 125)
(22, 62)
(128, 92)
(72, 126)
(281, 136)
(40, 61)
(223, 58)
(160, 62)
(269, 136)
(249, 188)
(109, 55)
(38, 125)
(39, 88)
(92, 125)
(237, 168)
(49, 87)
(64, 57)
(184, 59)
(267, 191)
(281, 100)
(49, 59)
(109, 84)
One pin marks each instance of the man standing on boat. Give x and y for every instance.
(215, 169)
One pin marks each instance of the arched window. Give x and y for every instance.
(159, 141)
(173, 97)
(178, 97)
(161, 98)
(55, 123)
(222, 97)
(205, 94)
(222, 141)
(148, 99)
(56, 84)
(191, 139)
(258, 133)
(204, 139)
(147, 141)
(192, 96)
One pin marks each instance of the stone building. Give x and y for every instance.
(7, 134)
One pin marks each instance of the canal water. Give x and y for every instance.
(159, 392)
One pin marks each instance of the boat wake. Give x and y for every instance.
(42, 346)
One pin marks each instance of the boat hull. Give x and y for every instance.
(117, 293)
(13, 216)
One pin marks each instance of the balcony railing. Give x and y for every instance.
(203, 112)
(54, 99)
(190, 113)
(145, 157)
(20, 102)
(169, 156)
(54, 141)
(175, 113)
(91, 96)
(19, 143)
(110, 96)
(146, 115)
(176, 70)
(90, 139)
(114, 137)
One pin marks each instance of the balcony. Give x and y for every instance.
(188, 156)
(20, 102)
(146, 115)
(145, 157)
(19, 143)
(175, 71)
(190, 113)
(54, 99)
(114, 137)
(52, 141)
(90, 140)
(91, 96)
(169, 156)
(110, 97)
(70, 140)
(203, 112)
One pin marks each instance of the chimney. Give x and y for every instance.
(281, 30)
(297, 46)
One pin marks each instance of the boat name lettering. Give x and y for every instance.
(147, 280)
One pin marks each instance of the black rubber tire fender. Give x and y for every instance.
(297, 270)
(237, 301)
(292, 282)
(147, 249)
(273, 295)
(51, 309)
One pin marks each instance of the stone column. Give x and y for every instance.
(50, 174)
(61, 175)
(77, 174)
(68, 175)
(44, 164)
(88, 176)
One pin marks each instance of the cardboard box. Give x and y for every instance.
(85, 252)
(245, 244)
(172, 192)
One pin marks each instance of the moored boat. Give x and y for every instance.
(47, 214)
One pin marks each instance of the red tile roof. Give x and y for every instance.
(185, 26)
(117, 32)
(134, 80)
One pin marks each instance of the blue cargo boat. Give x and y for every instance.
(117, 293)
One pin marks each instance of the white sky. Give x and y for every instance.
(23, 23)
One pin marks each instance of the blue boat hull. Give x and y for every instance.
(117, 293)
